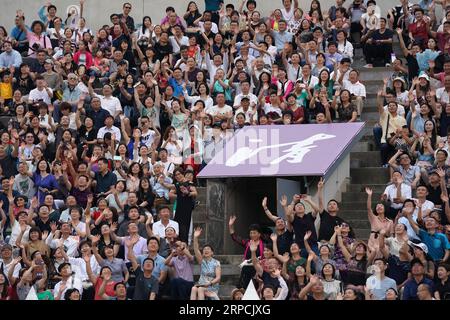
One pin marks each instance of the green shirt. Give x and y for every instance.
(45, 295)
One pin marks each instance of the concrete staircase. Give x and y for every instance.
(365, 159)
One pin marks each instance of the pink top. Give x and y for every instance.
(43, 41)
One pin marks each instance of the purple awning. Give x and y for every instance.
(293, 150)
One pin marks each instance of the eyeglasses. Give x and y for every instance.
(127, 7)
(73, 78)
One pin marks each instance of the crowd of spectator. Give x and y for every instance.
(106, 130)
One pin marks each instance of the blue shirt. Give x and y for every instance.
(437, 243)
(410, 290)
(10, 59)
(177, 88)
(18, 34)
(213, 5)
(281, 38)
(158, 267)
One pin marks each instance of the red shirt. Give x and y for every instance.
(443, 40)
(419, 30)
(109, 289)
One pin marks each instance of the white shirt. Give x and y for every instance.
(216, 110)
(288, 15)
(247, 114)
(214, 28)
(428, 205)
(15, 234)
(160, 230)
(72, 282)
(36, 95)
(184, 41)
(358, 89)
(6, 267)
(311, 82)
(269, 108)
(70, 243)
(168, 167)
(79, 267)
(391, 192)
(442, 95)
(346, 49)
(112, 130)
(237, 100)
(148, 138)
(400, 109)
(111, 104)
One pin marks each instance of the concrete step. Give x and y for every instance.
(228, 270)
(362, 146)
(358, 223)
(352, 205)
(369, 175)
(359, 196)
(353, 214)
(370, 116)
(234, 259)
(225, 291)
(362, 234)
(377, 188)
(367, 158)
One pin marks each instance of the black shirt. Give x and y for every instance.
(284, 242)
(387, 34)
(144, 286)
(104, 182)
(162, 51)
(270, 281)
(327, 224)
(301, 226)
(9, 166)
(413, 67)
(443, 289)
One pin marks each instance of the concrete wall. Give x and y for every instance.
(98, 11)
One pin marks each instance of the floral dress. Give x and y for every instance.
(208, 273)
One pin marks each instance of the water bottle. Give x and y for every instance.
(393, 57)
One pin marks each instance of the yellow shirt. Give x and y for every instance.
(6, 91)
(395, 123)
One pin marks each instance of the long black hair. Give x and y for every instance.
(4, 292)
(143, 23)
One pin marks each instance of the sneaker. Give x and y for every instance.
(368, 65)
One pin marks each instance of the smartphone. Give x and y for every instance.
(138, 83)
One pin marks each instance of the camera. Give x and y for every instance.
(36, 46)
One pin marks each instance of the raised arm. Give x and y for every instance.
(91, 275)
(320, 185)
(392, 161)
(347, 255)
(267, 211)
(402, 42)
(255, 262)
(369, 204)
(198, 254)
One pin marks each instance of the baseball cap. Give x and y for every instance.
(421, 245)
(424, 75)
(399, 79)
(49, 61)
